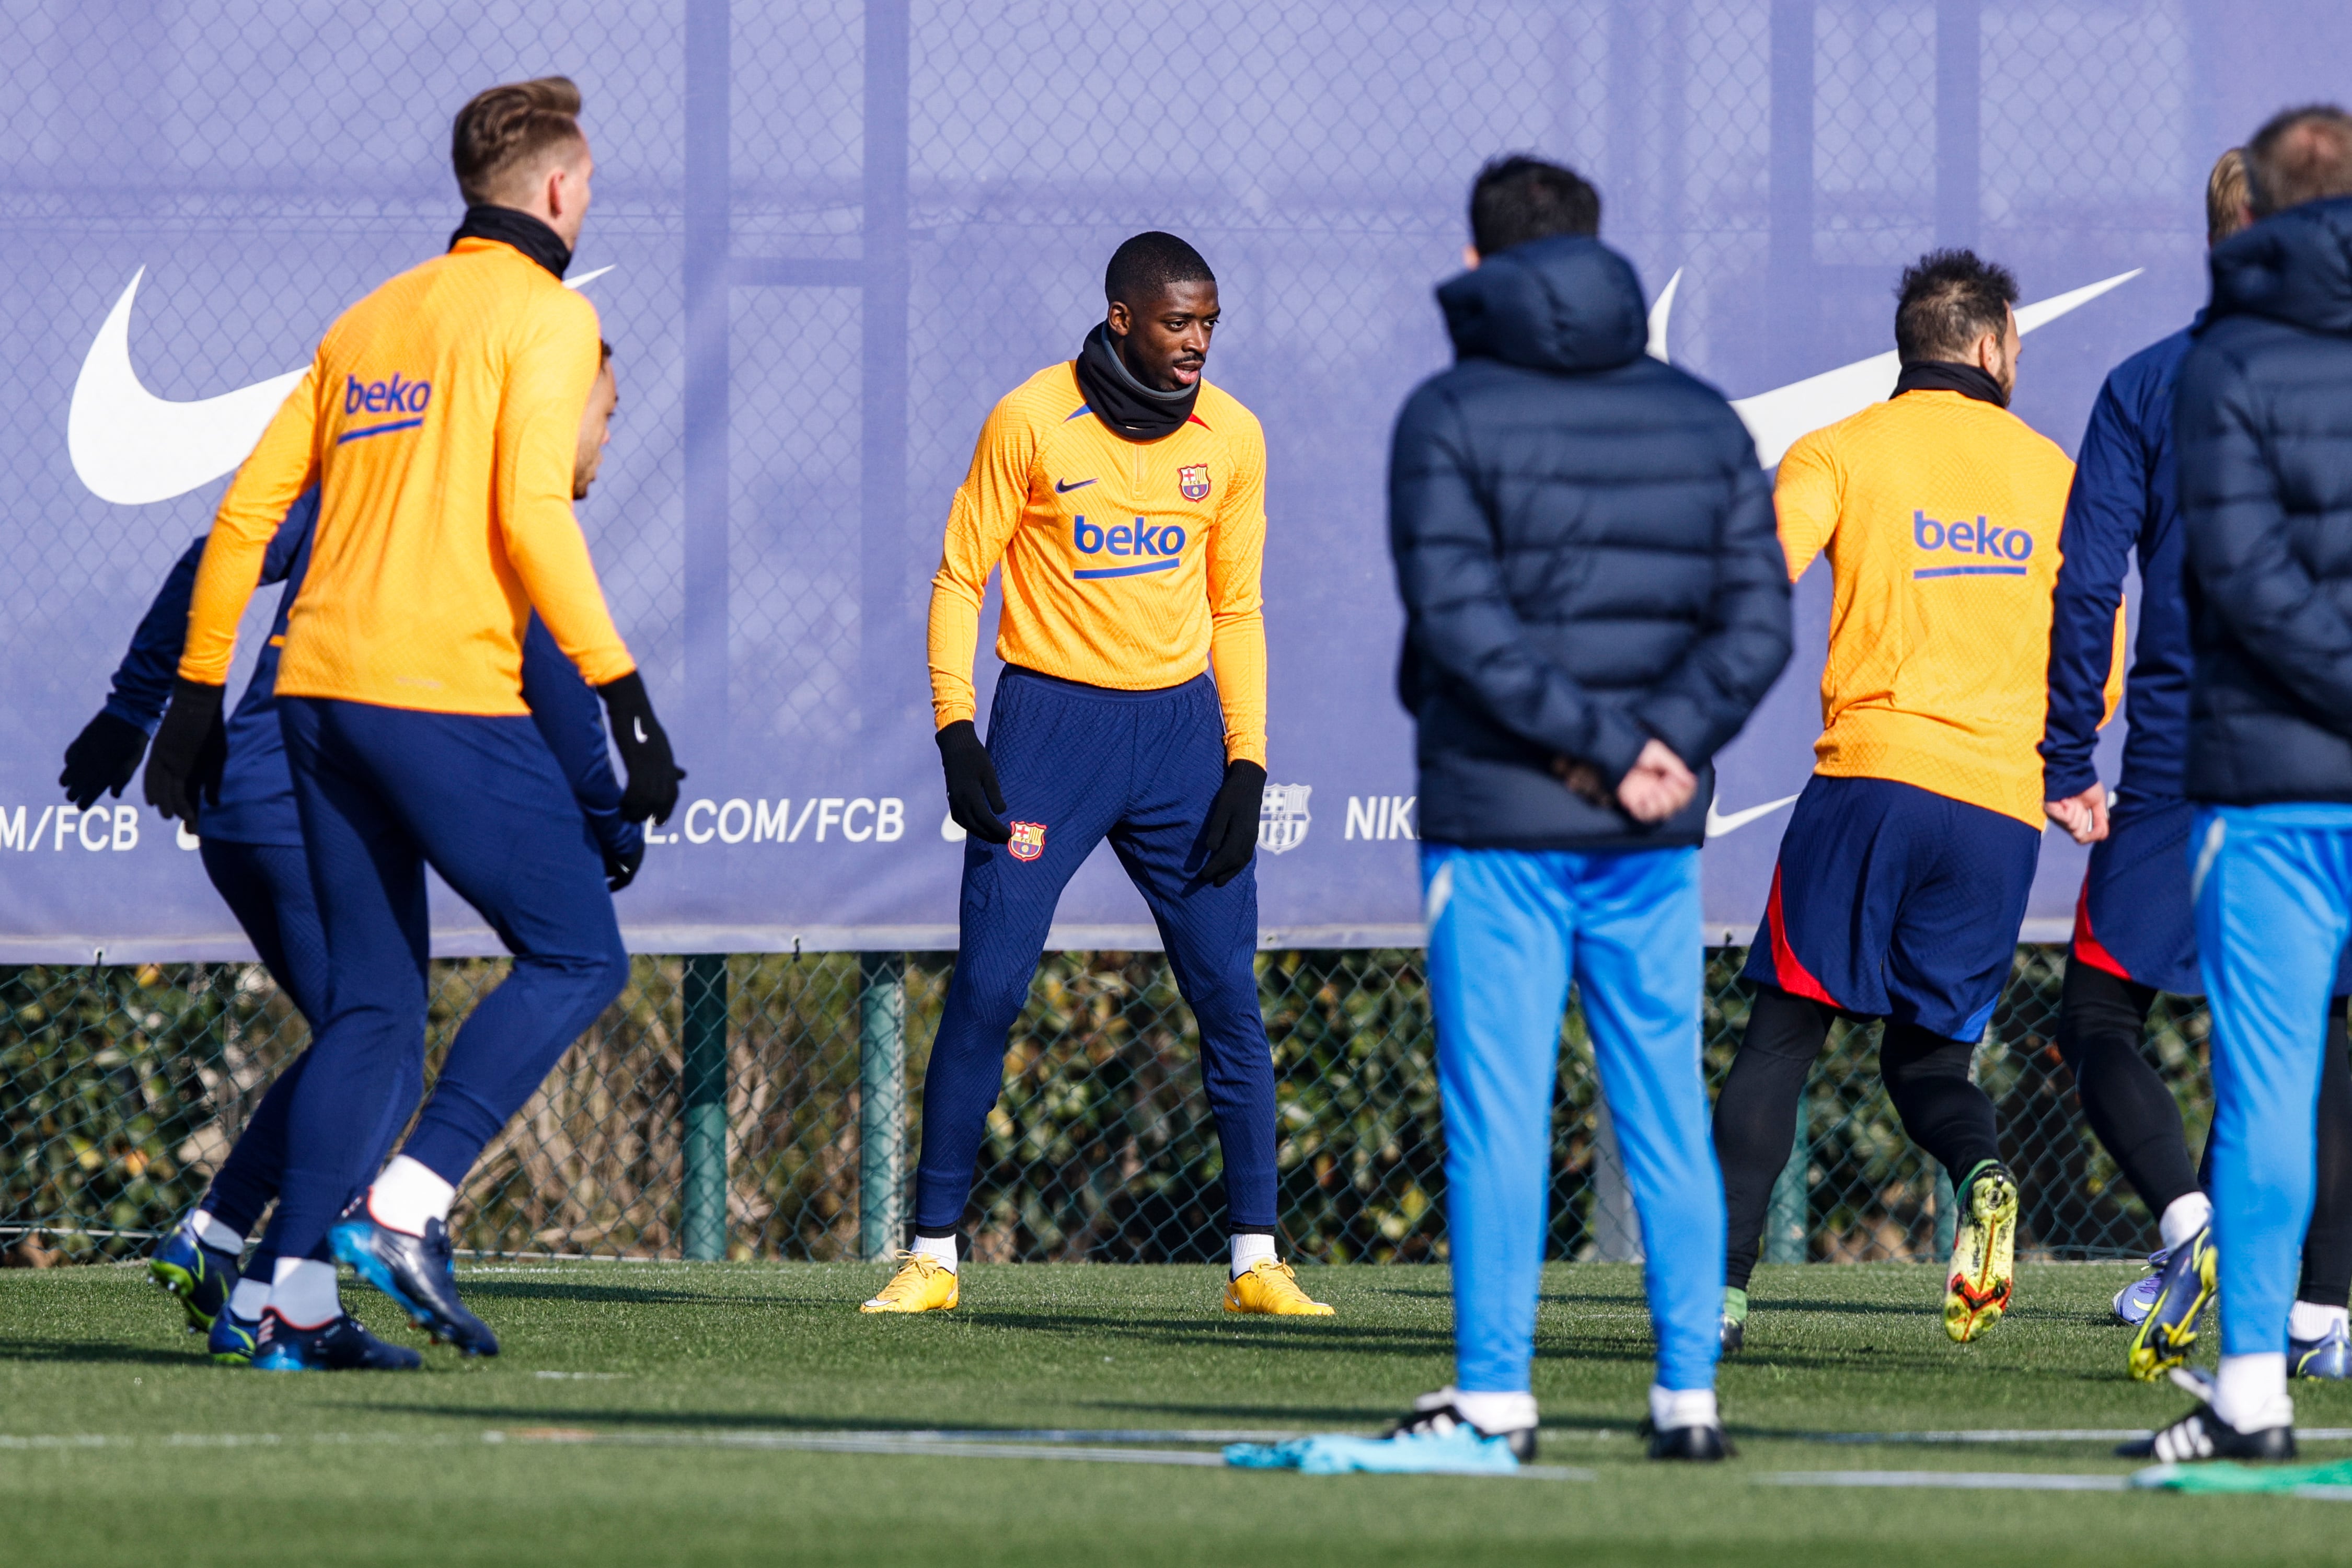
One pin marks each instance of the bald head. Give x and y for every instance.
(2302, 155)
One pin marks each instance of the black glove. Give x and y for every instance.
(191, 749)
(104, 757)
(654, 774)
(620, 870)
(973, 797)
(1231, 832)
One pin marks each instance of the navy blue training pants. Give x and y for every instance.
(1080, 764)
(384, 792)
(268, 888)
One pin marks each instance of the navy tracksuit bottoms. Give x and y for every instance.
(1078, 765)
(384, 792)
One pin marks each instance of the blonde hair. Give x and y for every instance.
(508, 130)
(2225, 197)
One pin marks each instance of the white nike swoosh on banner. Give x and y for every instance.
(1719, 824)
(1777, 419)
(132, 448)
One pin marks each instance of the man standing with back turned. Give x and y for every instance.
(1903, 876)
(2262, 420)
(440, 424)
(1125, 498)
(1594, 601)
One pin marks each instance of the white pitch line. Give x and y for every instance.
(1954, 1480)
(2027, 1434)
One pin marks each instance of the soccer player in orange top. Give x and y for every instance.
(440, 422)
(1903, 876)
(1124, 498)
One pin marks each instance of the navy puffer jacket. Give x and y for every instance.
(1586, 549)
(2262, 422)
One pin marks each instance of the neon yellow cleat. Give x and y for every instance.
(1271, 1287)
(923, 1284)
(1984, 1255)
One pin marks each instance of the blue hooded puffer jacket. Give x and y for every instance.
(2262, 422)
(1586, 549)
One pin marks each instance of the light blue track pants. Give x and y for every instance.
(2273, 892)
(1508, 929)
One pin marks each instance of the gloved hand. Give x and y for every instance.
(973, 797)
(1231, 832)
(654, 774)
(191, 748)
(621, 869)
(104, 757)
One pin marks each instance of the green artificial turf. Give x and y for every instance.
(118, 1443)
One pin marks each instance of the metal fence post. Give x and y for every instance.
(705, 1096)
(881, 1101)
(1788, 1224)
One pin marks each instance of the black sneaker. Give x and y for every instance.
(342, 1343)
(415, 1271)
(1441, 1421)
(1734, 1333)
(2201, 1434)
(1702, 1444)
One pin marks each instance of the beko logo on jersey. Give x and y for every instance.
(394, 396)
(1163, 542)
(1993, 547)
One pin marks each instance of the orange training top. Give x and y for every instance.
(1939, 514)
(439, 420)
(1126, 564)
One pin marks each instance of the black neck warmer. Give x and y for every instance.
(520, 229)
(1124, 405)
(1947, 375)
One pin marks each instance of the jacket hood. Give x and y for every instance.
(2294, 267)
(1564, 304)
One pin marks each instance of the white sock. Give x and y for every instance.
(942, 1248)
(210, 1232)
(407, 1195)
(1495, 1414)
(2183, 1217)
(2310, 1320)
(1673, 1408)
(2251, 1393)
(1249, 1248)
(303, 1293)
(249, 1297)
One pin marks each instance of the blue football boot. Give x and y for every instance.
(2184, 1290)
(415, 1271)
(233, 1339)
(342, 1343)
(2328, 1356)
(199, 1276)
(2136, 1301)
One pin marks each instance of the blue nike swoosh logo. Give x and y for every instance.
(1061, 489)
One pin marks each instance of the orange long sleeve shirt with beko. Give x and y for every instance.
(1133, 566)
(1939, 514)
(439, 419)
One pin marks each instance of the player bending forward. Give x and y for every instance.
(2134, 933)
(1125, 498)
(1594, 601)
(1903, 876)
(440, 424)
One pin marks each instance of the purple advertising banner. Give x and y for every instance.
(827, 237)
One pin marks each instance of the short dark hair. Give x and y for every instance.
(507, 130)
(2299, 155)
(1517, 198)
(1148, 265)
(1947, 300)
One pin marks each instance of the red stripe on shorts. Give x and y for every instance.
(2087, 947)
(1793, 976)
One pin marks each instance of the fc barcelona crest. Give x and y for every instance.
(1194, 480)
(1028, 840)
(1282, 817)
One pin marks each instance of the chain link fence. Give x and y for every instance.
(768, 1107)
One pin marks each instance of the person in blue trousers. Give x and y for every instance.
(1595, 599)
(2262, 422)
(250, 842)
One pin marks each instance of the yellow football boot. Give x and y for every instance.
(923, 1284)
(1984, 1255)
(1271, 1287)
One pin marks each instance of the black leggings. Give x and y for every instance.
(2102, 1021)
(1927, 1076)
